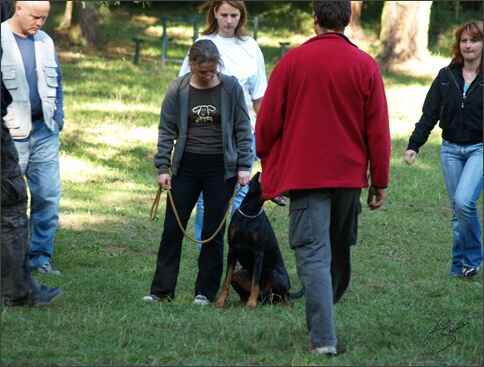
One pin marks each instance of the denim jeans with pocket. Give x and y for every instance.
(39, 161)
(462, 170)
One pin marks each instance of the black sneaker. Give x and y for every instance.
(15, 303)
(470, 272)
(44, 296)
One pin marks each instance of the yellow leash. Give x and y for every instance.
(154, 210)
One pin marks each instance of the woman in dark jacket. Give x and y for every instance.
(456, 100)
(204, 144)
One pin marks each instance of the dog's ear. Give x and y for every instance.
(254, 183)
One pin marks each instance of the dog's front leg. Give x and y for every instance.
(254, 293)
(254, 290)
(225, 290)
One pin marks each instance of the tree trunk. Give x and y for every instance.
(66, 21)
(89, 25)
(84, 24)
(404, 32)
(354, 30)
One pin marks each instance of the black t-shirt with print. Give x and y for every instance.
(204, 134)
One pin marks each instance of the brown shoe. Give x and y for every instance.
(279, 200)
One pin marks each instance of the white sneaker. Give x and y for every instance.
(330, 351)
(151, 298)
(47, 269)
(201, 300)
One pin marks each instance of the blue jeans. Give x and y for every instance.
(200, 209)
(241, 192)
(39, 161)
(462, 170)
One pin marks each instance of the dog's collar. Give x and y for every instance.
(250, 216)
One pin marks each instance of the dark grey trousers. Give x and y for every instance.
(322, 226)
(16, 281)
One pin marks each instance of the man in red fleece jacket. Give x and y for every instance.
(322, 133)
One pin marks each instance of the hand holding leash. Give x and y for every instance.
(164, 180)
(243, 177)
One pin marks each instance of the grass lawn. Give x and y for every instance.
(402, 308)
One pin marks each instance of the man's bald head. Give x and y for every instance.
(37, 6)
(29, 17)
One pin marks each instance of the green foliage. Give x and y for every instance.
(106, 245)
(371, 16)
(445, 18)
(103, 6)
(281, 15)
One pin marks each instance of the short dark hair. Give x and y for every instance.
(204, 51)
(333, 15)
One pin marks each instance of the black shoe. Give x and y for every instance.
(470, 272)
(44, 296)
(15, 303)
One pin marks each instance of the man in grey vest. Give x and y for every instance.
(31, 73)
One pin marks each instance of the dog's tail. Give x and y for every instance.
(297, 294)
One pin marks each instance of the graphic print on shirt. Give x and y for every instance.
(204, 113)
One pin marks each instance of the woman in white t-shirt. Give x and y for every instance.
(242, 58)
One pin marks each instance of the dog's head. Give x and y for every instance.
(254, 184)
(255, 196)
(255, 189)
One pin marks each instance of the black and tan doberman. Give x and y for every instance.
(253, 243)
